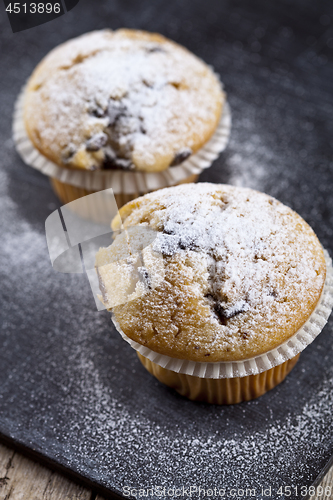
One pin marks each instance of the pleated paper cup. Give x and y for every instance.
(224, 390)
(229, 382)
(71, 184)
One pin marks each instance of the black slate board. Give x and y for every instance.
(71, 391)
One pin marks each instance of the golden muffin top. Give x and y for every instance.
(121, 99)
(241, 272)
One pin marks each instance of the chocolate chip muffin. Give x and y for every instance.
(125, 99)
(242, 274)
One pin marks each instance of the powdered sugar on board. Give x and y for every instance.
(73, 390)
(185, 451)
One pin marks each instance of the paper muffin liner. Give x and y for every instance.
(257, 364)
(221, 391)
(120, 181)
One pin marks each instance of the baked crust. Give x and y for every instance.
(121, 99)
(243, 273)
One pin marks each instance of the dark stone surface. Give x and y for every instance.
(70, 389)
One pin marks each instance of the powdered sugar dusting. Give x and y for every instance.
(154, 102)
(185, 453)
(254, 268)
(93, 407)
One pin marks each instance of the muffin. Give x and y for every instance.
(124, 101)
(243, 274)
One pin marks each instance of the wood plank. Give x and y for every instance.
(23, 479)
(6, 456)
(60, 488)
(327, 482)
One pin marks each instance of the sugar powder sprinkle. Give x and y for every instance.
(119, 101)
(253, 268)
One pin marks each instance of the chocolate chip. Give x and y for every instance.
(68, 153)
(99, 112)
(181, 156)
(148, 84)
(220, 312)
(186, 244)
(96, 142)
(245, 335)
(168, 231)
(167, 245)
(111, 161)
(96, 110)
(172, 245)
(225, 311)
(125, 164)
(273, 293)
(156, 48)
(115, 110)
(230, 312)
(217, 308)
(144, 277)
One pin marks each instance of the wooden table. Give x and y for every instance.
(24, 479)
